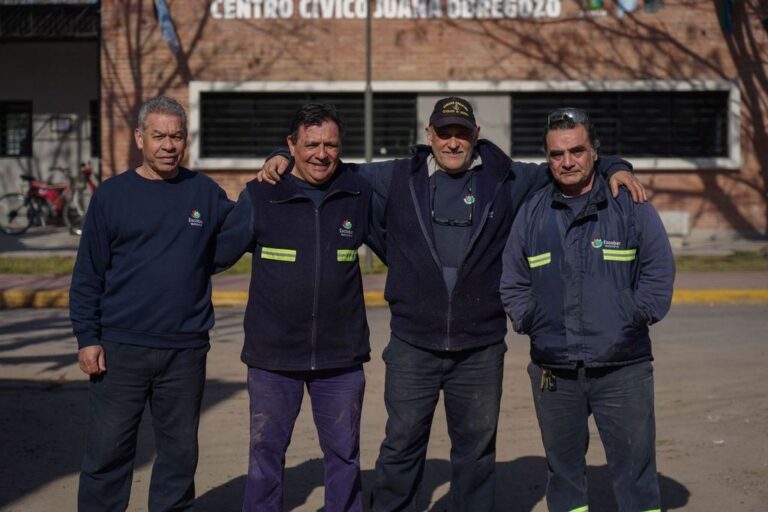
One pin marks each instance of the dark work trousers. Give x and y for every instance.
(172, 380)
(337, 402)
(621, 400)
(471, 385)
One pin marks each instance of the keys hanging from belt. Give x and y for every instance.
(548, 381)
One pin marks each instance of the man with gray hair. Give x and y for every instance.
(140, 304)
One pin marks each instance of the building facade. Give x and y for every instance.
(49, 90)
(679, 88)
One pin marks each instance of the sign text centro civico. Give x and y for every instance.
(385, 9)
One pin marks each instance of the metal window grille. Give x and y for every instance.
(16, 128)
(50, 21)
(252, 125)
(687, 124)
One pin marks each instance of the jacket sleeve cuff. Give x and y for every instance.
(87, 339)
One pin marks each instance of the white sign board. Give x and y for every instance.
(384, 9)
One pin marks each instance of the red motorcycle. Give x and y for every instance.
(45, 203)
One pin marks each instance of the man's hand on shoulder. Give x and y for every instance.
(630, 181)
(92, 360)
(273, 170)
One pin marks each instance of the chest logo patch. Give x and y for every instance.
(599, 243)
(469, 199)
(346, 229)
(196, 218)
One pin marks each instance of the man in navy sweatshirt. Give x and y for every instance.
(584, 275)
(305, 323)
(140, 304)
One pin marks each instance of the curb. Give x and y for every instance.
(14, 298)
(725, 296)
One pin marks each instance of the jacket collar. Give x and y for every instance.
(342, 182)
(485, 155)
(491, 174)
(598, 195)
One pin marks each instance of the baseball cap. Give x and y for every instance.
(453, 110)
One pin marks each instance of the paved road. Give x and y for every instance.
(711, 407)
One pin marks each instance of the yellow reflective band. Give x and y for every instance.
(585, 508)
(540, 260)
(271, 253)
(653, 510)
(619, 254)
(346, 255)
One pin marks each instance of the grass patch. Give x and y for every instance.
(742, 261)
(37, 265)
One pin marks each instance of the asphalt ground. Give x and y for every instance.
(711, 409)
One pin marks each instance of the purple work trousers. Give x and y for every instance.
(337, 401)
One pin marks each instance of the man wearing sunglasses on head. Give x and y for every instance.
(444, 216)
(584, 275)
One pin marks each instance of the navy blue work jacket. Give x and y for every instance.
(305, 303)
(586, 286)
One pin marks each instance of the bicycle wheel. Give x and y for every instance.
(75, 207)
(14, 214)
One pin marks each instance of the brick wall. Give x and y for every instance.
(682, 41)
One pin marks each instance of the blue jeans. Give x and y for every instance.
(471, 385)
(621, 400)
(172, 380)
(337, 402)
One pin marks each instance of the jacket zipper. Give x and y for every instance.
(316, 292)
(471, 243)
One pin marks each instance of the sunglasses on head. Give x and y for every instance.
(576, 115)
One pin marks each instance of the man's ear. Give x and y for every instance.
(291, 146)
(139, 137)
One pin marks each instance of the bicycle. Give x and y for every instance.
(46, 202)
(81, 189)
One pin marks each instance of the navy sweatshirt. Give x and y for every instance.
(142, 274)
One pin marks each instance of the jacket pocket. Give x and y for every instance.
(632, 313)
(523, 326)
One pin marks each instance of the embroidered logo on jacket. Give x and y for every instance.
(599, 243)
(346, 229)
(196, 218)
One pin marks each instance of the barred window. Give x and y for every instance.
(16, 128)
(251, 125)
(660, 124)
(49, 20)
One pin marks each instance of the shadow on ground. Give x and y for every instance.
(42, 430)
(521, 484)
